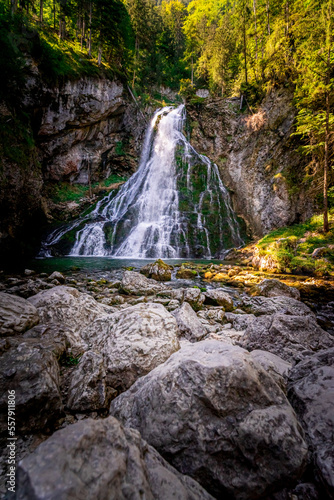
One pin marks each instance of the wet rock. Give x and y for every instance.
(272, 305)
(30, 368)
(57, 276)
(101, 459)
(189, 325)
(137, 284)
(275, 288)
(290, 337)
(133, 342)
(158, 271)
(71, 308)
(219, 417)
(87, 385)
(217, 297)
(16, 314)
(194, 297)
(311, 392)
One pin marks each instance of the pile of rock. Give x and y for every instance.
(211, 389)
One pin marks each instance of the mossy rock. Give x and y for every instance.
(186, 273)
(158, 271)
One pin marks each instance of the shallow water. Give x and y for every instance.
(67, 264)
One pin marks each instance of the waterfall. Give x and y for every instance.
(174, 206)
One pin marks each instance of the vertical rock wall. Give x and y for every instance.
(256, 157)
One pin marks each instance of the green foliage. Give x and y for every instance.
(292, 247)
(16, 140)
(187, 89)
(119, 151)
(68, 360)
(64, 192)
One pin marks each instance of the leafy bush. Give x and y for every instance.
(292, 247)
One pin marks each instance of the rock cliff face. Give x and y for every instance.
(80, 131)
(256, 157)
(88, 129)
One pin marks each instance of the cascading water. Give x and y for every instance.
(175, 205)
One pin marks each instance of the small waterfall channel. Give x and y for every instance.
(174, 206)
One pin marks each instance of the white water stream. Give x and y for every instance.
(144, 219)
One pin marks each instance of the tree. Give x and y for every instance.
(315, 92)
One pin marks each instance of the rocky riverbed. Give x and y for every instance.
(195, 381)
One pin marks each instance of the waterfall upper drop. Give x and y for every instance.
(174, 206)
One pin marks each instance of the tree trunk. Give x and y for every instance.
(326, 162)
(90, 30)
(54, 14)
(99, 57)
(89, 178)
(192, 70)
(245, 50)
(268, 19)
(41, 11)
(136, 61)
(255, 27)
(83, 32)
(13, 6)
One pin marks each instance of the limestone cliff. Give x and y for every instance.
(256, 157)
(79, 131)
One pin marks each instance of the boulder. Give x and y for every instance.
(194, 297)
(185, 273)
(272, 305)
(240, 321)
(101, 459)
(70, 308)
(56, 275)
(30, 287)
(218, 417)
(275, 288)
(189, 325)
(215, 314)
(133, 342)
(290, 337)
(216, 297)
(29, 272)
(158, 271)
(274, 365)
(54, 335)
(320, 252)
(87, 384)
(137, 284)
(311, 392)
(16, 315)
(31, 369)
